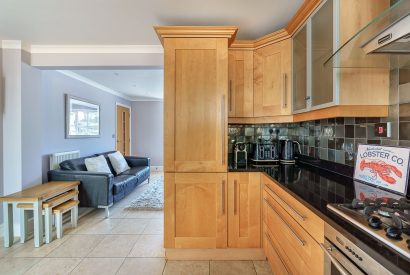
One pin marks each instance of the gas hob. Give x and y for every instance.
(385, 218)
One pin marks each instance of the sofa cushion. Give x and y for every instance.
(105, 154)
(136, 171)
(74, 164)
(97, 164)
(118, 162)
(123, 182)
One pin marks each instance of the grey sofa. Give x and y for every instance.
(101, 190)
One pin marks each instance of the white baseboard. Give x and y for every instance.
(157, 168)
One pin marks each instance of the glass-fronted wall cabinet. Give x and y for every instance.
(317, 85)
(321, 48)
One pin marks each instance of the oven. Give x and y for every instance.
(344, 257)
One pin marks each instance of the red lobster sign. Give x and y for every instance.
(381, 169)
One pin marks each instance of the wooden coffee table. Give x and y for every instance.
(35, 195)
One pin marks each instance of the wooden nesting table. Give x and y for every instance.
(35, 195)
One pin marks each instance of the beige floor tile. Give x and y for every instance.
(54, 266)
(100, 266)
(4, 251)
(99, 226)
(142, 266)
(144, 214)
(262, 268)
(76, 246)
(130, 226)
(232, 268)
(148, 246)
(186, 268)
(154, 227)
(28, 249)
(14, 266)
(114, 246)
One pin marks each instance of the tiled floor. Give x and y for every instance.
(129, 242)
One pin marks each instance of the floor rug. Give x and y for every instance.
(152, 198)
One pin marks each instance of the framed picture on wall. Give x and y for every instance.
(82, 118)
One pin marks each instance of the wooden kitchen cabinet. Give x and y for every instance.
(240, 86)
(244, 210)
(195, 210)
(195, 97)
(273, 79)
(291, 232)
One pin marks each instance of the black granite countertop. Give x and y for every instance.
(315, 188)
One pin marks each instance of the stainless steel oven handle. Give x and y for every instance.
(339, 267)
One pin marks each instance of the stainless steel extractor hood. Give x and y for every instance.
(395, 39)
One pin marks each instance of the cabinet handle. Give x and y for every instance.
(307, 98)
(223, 197)
(285, 91)
(230, 96)
(276, 252)
(301, 242)
(223, 139)
(235, 192)
(300, 216)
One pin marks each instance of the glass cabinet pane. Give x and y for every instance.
(322, 47)
(299, 70)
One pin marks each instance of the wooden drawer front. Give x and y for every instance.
(301, 249)
(305, 217)
(277, 260)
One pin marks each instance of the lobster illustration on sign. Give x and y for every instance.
(381, 169)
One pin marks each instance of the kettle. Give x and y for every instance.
(289, 149)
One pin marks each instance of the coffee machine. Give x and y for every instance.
(240, 154)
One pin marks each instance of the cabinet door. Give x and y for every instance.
(195, 104)
(322, 48)
(240, 102)
(272, 81)
(244, 210)
(195, 210)
(300, 70)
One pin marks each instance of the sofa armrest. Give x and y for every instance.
(96, 189)
(137, 161)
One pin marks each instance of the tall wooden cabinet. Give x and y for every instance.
(273, 79)
(240, 89)
(195, 135)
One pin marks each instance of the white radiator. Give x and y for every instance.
(57, 158)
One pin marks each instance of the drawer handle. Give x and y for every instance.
(301, 242)
(300, 216)
(276, 252)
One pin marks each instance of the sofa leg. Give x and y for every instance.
(107, 210)
(148, 179)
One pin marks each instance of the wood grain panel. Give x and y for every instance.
(196, 210)
(244, 210)
(195, 105)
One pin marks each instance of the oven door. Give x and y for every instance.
(336, 262)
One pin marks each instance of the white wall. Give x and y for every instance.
(147, 132)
